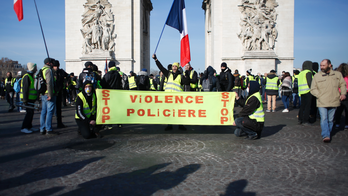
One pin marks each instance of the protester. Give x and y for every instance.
(304, 86)
(251, 118)
(263, 88)
(314, 109)
(153, 83)
(190, 78)
(18, 78)
(112, 79)
(48, 99)
(174, 82)
(237, 83)
(59, 78)
(9, 82)
(209, 80)
(295, 98)
(271, 89)
(226, 81)
(343, 68)
(286, 90)
(28, 96)
(142, 80)
(2, 88)
(85, 115)
(159, 81)
(325, 87)
(132, 81)
(249, 77)
(73, 88)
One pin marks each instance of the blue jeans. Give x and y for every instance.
(296, 98)
(326, 120)
(241, 130)
(286, 101)
(47, 113)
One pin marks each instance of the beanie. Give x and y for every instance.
(176, 64)
(19, 73)
(249, 71)
(273, 71)
(144, 69)
(223, 64)
(31, 66)
(112, 64)
(56, 63)
(88, 63)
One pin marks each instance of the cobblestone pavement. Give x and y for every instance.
(289, 159)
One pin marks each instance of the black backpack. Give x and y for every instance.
(237, 81)
(142, 80)
(125, 84)
(40, 83)
(295, 84)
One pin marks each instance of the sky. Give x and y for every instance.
(321, 28)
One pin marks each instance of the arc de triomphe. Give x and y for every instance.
(246, 34)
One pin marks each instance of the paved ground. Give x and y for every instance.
(145, 160)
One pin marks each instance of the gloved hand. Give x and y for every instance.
(154, 56)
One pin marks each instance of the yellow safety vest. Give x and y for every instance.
(12, 82)
(132, 83)
(86, 109)
(44, 70)
(258, 114)
(32, 91)
(199, 85)
(191, 84)
(303, 87)
(271, 84)
(152, 87)
(174, 85)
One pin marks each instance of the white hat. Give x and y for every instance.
(31, 66)
(19, 73)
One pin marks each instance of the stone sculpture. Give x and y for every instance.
(98, 26)
(258, 24)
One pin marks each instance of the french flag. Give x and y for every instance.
(18, 8)
(177, 20)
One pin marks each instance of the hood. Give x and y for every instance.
(254, 87)
(211, 71)
(307, 65)
(236, 75)
(144, 73)
(271, 75)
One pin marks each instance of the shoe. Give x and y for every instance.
(42, 132)
(251, 137)
(285, 110)
(182, 128)
(169, 127)
(21, 111)
(307, 124)
(346, 127)
(273, 110)
(326, 139)
(337, 125)
(52, 133)
(268, 110)
(61, 126)
(26, 131)
(119, 126)
(34, 130)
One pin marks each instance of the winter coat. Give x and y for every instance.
(226, 80)
(112, 80)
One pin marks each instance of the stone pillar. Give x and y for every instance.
(253, 34)
(127, 22)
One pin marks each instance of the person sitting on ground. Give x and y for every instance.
(252, 117)
(85, 115)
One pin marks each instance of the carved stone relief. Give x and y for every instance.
(258, 24)
(98, 27)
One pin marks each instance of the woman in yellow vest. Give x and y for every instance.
(174, 83)
(250, 121)
(86, 110)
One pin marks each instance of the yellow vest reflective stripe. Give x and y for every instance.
(13, 80)
(86, 110)
(237, 87)
(251, 78)
(132, 83)
(259, 114)
(165, 83)
(271, 84)
(199, 85)
(191, 84)
(303, 87)
(174, 85)
(32, 91)
(152, 87)
(44, 70)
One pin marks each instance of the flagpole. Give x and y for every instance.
(160, 38)
(41, 29)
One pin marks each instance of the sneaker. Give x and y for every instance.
(119, 126)
(42, 132)
(52, 133)
(337, 125)
(346, 127)
(22, 111)
(34, 130)
(273, 110)
(26, 131)
(268, 110)
(285, 110)
(251, 137)
(326, 139)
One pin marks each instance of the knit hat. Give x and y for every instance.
(56, 63)
(223, 64)
(176, 64)
(273, 71)
(112, 64)
(19, 73)
(88, 63)
(249, 71)
(144, 69)
(48, 60)
(31, 66)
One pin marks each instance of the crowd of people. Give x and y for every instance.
(310, 90)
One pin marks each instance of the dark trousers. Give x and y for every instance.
(9, 98)
(28, 119)
(338, 114)
(87, 131)
(242, 131)
(64, 94)
(59, 108)
(305, 109)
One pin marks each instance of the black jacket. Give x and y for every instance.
(112, 80)
(60, 76)
(209, 74)
(226, 80)
(187, 80)
(146, 85)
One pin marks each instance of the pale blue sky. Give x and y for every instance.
(321, 28)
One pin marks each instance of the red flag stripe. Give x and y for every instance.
(18, 8)
(185, 55)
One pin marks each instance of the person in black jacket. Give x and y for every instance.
(142, 80)
(226, 78)
(246, 126)
(190, 78)
(112, 79)
(208, 80)
(59, 75)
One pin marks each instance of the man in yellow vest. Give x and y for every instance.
(86, 110)
(28, 94)
(9, 82)
(132, 81)
(304, 86)
(153, 84)
(272, 84)
(251, 118)
(174, 83)
(190, 78)
(48, 99)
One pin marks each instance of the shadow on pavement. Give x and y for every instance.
(271, 130)
(140, 182)
(50, 191)
(237, 188)
(46, 173)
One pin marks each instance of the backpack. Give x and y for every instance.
(237, 81)
(142, 80)
(17, 85)
(208, 84)
(295, 84)
(40, 83)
